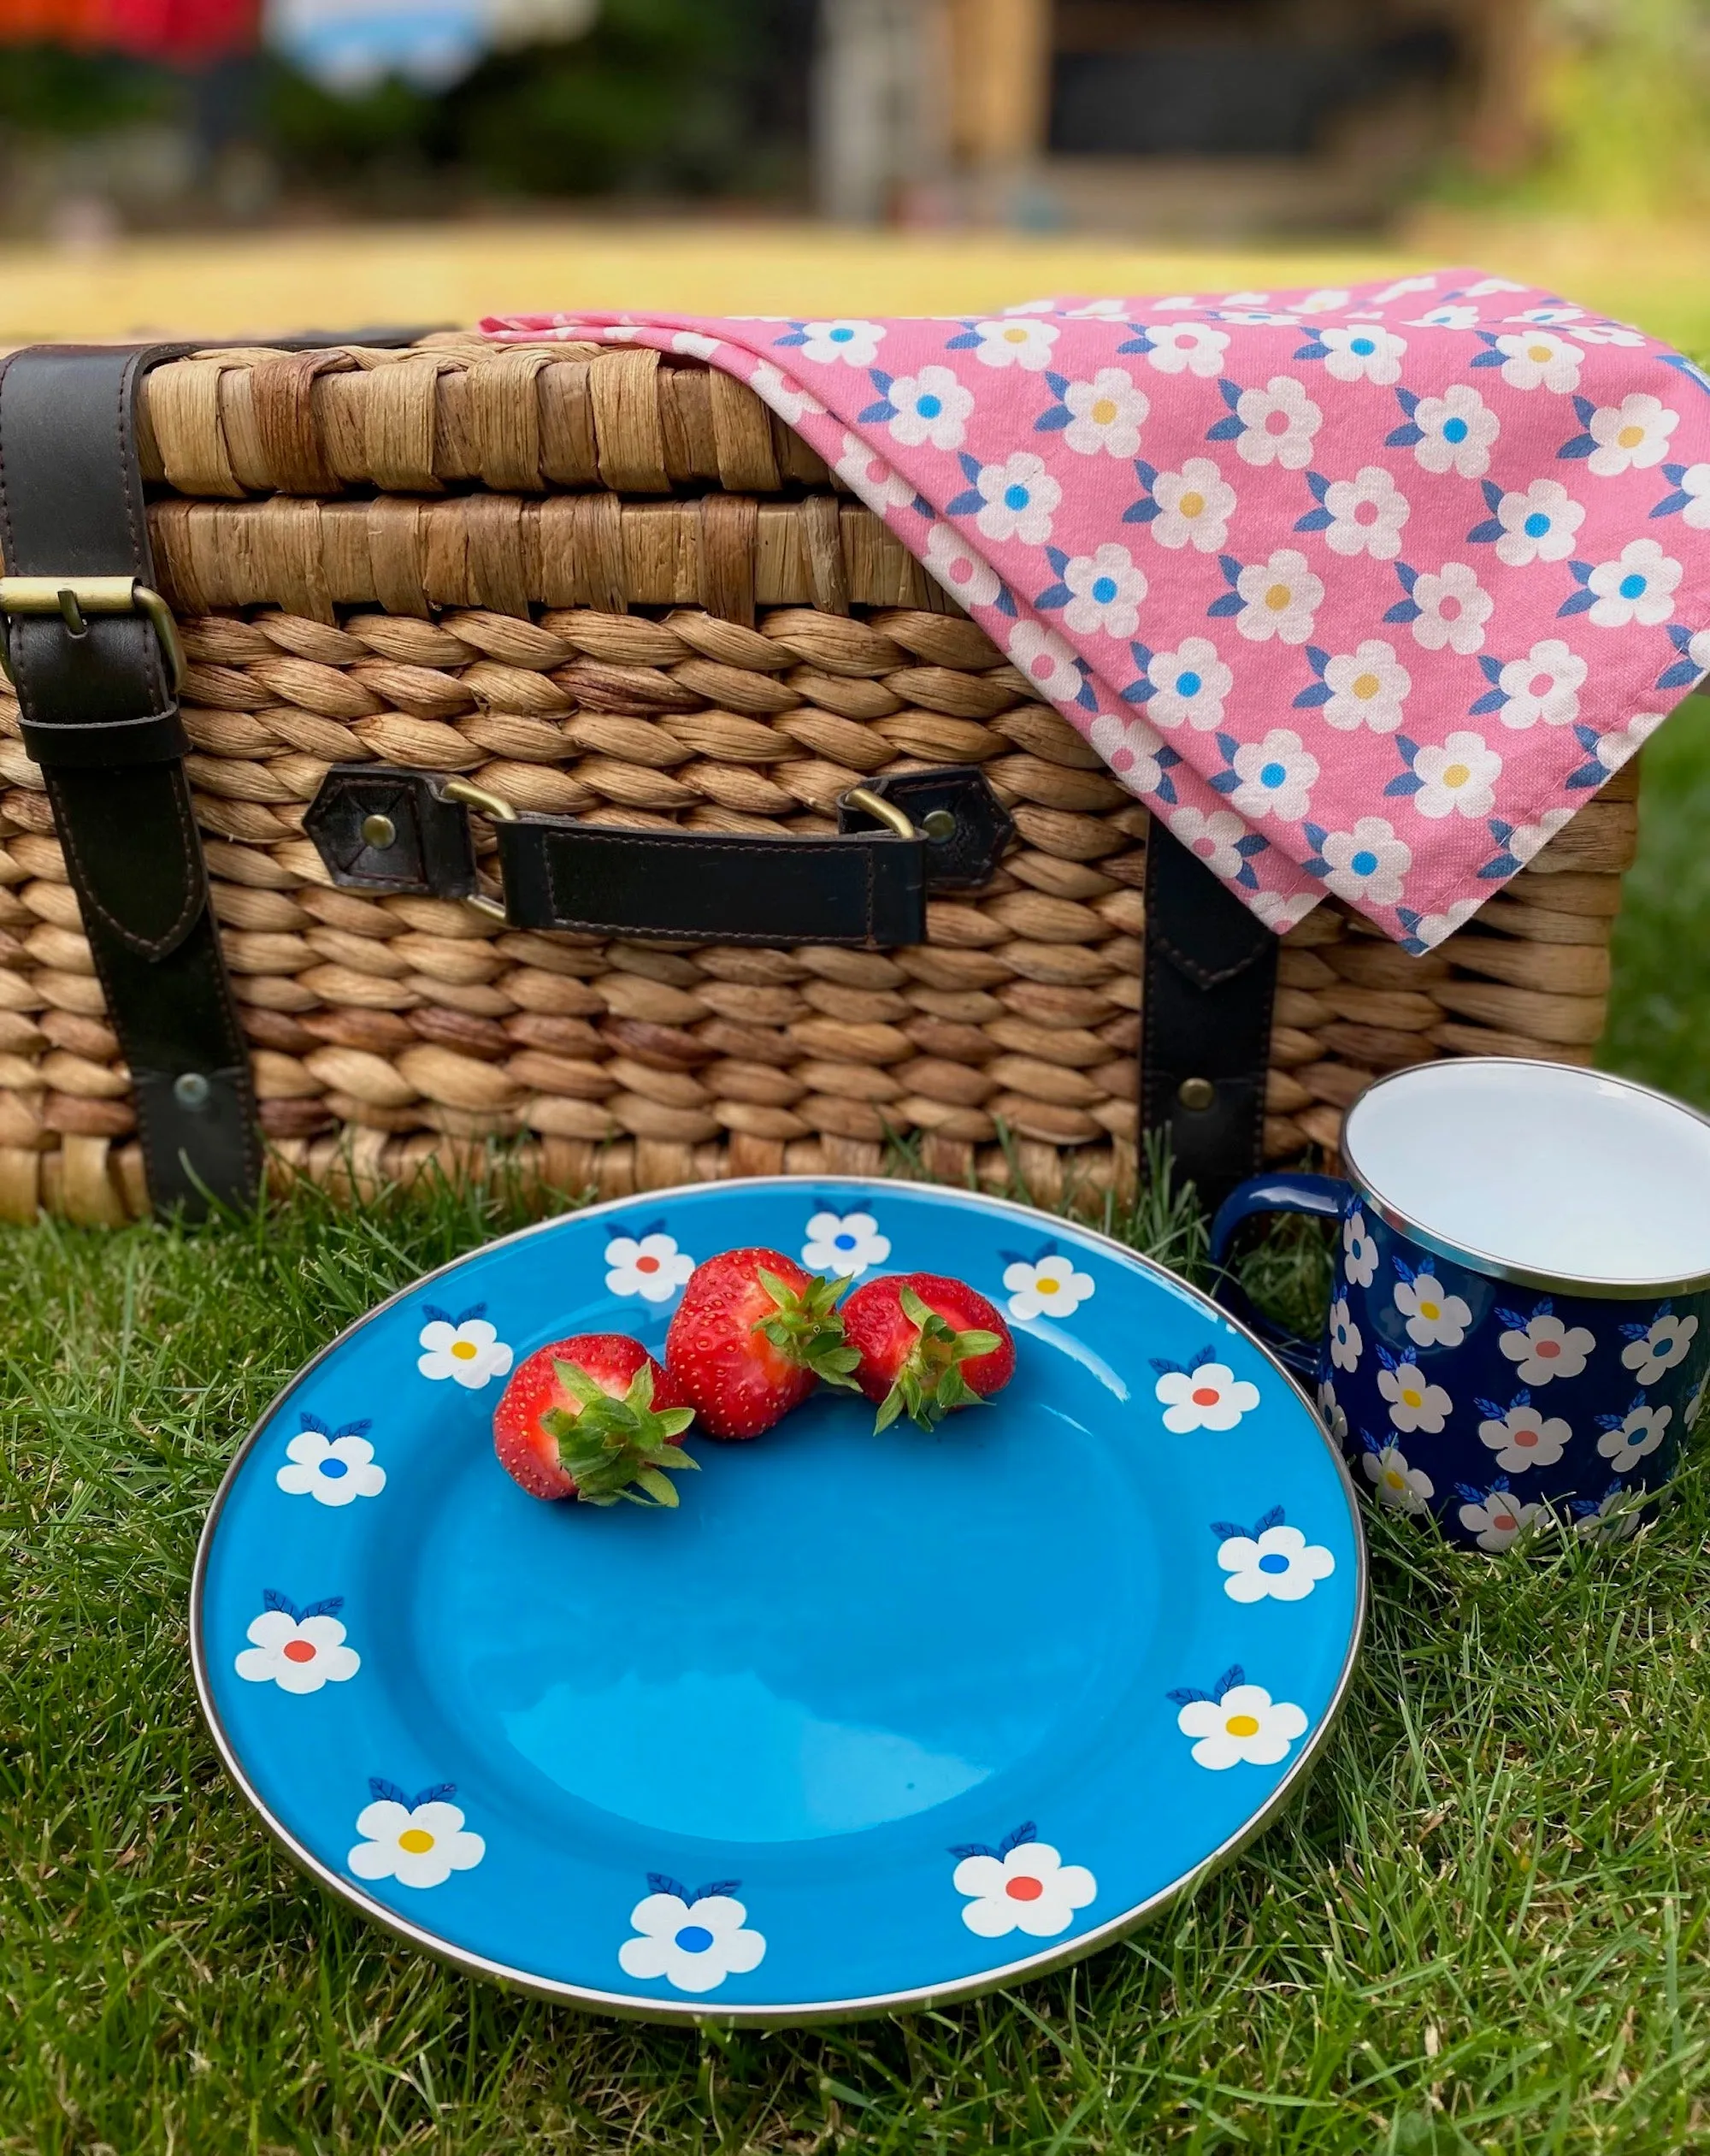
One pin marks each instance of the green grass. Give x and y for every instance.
(1484, 1928)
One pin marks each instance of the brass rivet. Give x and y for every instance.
(939, 824)
(380, 832)
(1196, 1093)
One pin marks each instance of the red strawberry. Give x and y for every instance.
(596, 1418)
(927, 1345)
(752, 1336)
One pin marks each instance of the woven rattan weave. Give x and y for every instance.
(606, 585)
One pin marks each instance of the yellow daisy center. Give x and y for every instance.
(417, 1839)
(1047, 1287)
(1103, 412)
(1017, 335)
(1540, 352)
(1411, 1398)
(1456, 775)
(1243, 1725)
(464, 1350)
(1631, 437)
(1192, 505)
(1394, 1479)
(1278, 598)
(1366, 686)
(1430, 1310)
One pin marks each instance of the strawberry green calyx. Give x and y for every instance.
(614, 1448)
(806, 1329)
(930, 1382)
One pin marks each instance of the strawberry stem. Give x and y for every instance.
(614, 1448)
(930, 1382)
(807, 1330)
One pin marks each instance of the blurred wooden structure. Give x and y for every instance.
(1222, 117)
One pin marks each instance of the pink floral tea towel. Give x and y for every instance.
(1361, 590)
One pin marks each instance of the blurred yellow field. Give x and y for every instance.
(341, 277)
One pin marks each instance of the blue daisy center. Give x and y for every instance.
(1105, 590)
(1364, 863)
(1189, 683)
(1017, 496)
(694, 1938)
(1537, 524)
(929, 406)
(844, 1242)
(841, 336)
(335, 1469)
(1274, 775)
(1454, 430)
(1363, 346)
(1633, 587)
(1273, 1561)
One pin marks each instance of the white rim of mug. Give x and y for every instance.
(1396, 1218)
(630, 2006)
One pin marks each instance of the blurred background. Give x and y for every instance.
(1215, 120)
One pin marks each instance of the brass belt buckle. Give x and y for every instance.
(74, 598)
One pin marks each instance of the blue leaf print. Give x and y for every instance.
(1404, 437)
(877, 415)
(1054, 421)
(1389, 1360)
(273, 1599)
(1408, 400)
(387, 1792)
(1317, 693)
(1403, 1270)
(1234, 1676)
(1485, 534)
(353, 1429)
(1267, 1521)
(1493, 700)
(1230, 1531)
(972, 1849)
(1018, 1837)
(313, 1422)
(1408, 576)
(713, 1887)
(1230, 603)
(433, 1312)
(1317, 350)
(1183, 1695)
(1579, 446)
(968, 503)
(1671, 504)
(1053, 597)
(475, 1310)
(1231, 391)
(435, 1792)
(1580, 603)
(1164, 1367)
(662, 1883)
(1492, 1410)
(1225, 430)
(1315, 520)
(328, 1606)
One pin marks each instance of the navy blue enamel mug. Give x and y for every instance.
(1519, 1329)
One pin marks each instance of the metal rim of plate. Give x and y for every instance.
(623, 2005)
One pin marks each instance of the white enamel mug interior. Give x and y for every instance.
(1543, 1173)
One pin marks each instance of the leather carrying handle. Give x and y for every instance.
(918, 833)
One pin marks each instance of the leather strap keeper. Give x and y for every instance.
(1210, 988)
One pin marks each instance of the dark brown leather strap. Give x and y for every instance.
(1210, 988)
(100, 716)
(380, 828)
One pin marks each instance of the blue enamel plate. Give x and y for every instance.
(868, 1721)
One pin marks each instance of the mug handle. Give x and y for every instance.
(1324, 1197)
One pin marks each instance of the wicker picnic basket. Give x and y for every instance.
(600, 585)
